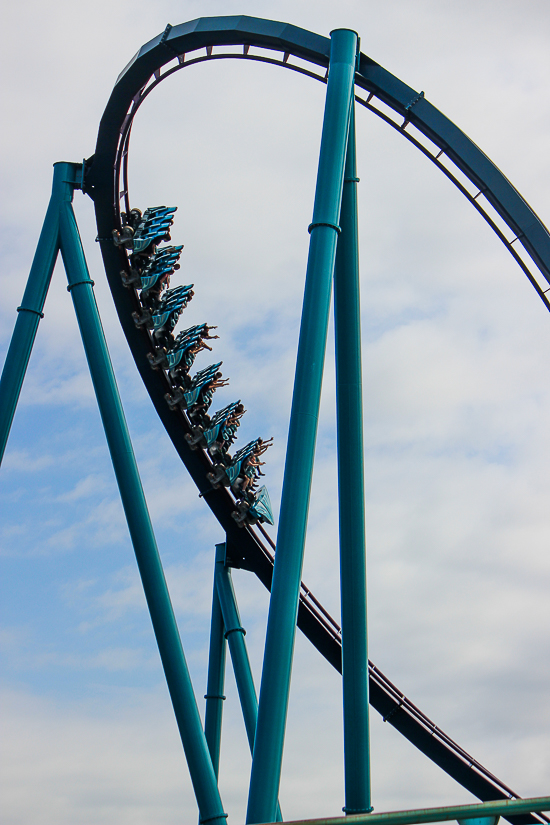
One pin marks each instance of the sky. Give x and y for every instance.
(456, 395)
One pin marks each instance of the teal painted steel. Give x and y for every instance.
(139, 522)
(235, 634)
(155, 63)
(30, 311)
(351, 496)
(371, 77)
(480, 820)
(283, 606)
(216, 675)
(503, 807)
(408, 103)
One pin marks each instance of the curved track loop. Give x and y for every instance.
(446, 146)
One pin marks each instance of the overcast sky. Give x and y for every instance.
(457, 405)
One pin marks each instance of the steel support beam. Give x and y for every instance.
(235, 633)
(137, 514)
(31, 310)
(216, 675)
(503, 807)
(283, 606)
(351, 496)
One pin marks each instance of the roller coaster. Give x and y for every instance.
(141, 265)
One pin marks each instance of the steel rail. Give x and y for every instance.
(463, 813)
(102, 176)
(384, 87)
(122, 165)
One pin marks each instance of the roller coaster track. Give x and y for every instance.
(106, 181)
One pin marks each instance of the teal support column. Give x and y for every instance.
(137, 516)
(351, 496)
(283, 607)
(30, 311)
(462, 813)
(235, 633)
(216, 675)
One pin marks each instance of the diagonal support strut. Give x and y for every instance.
(60, 233)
